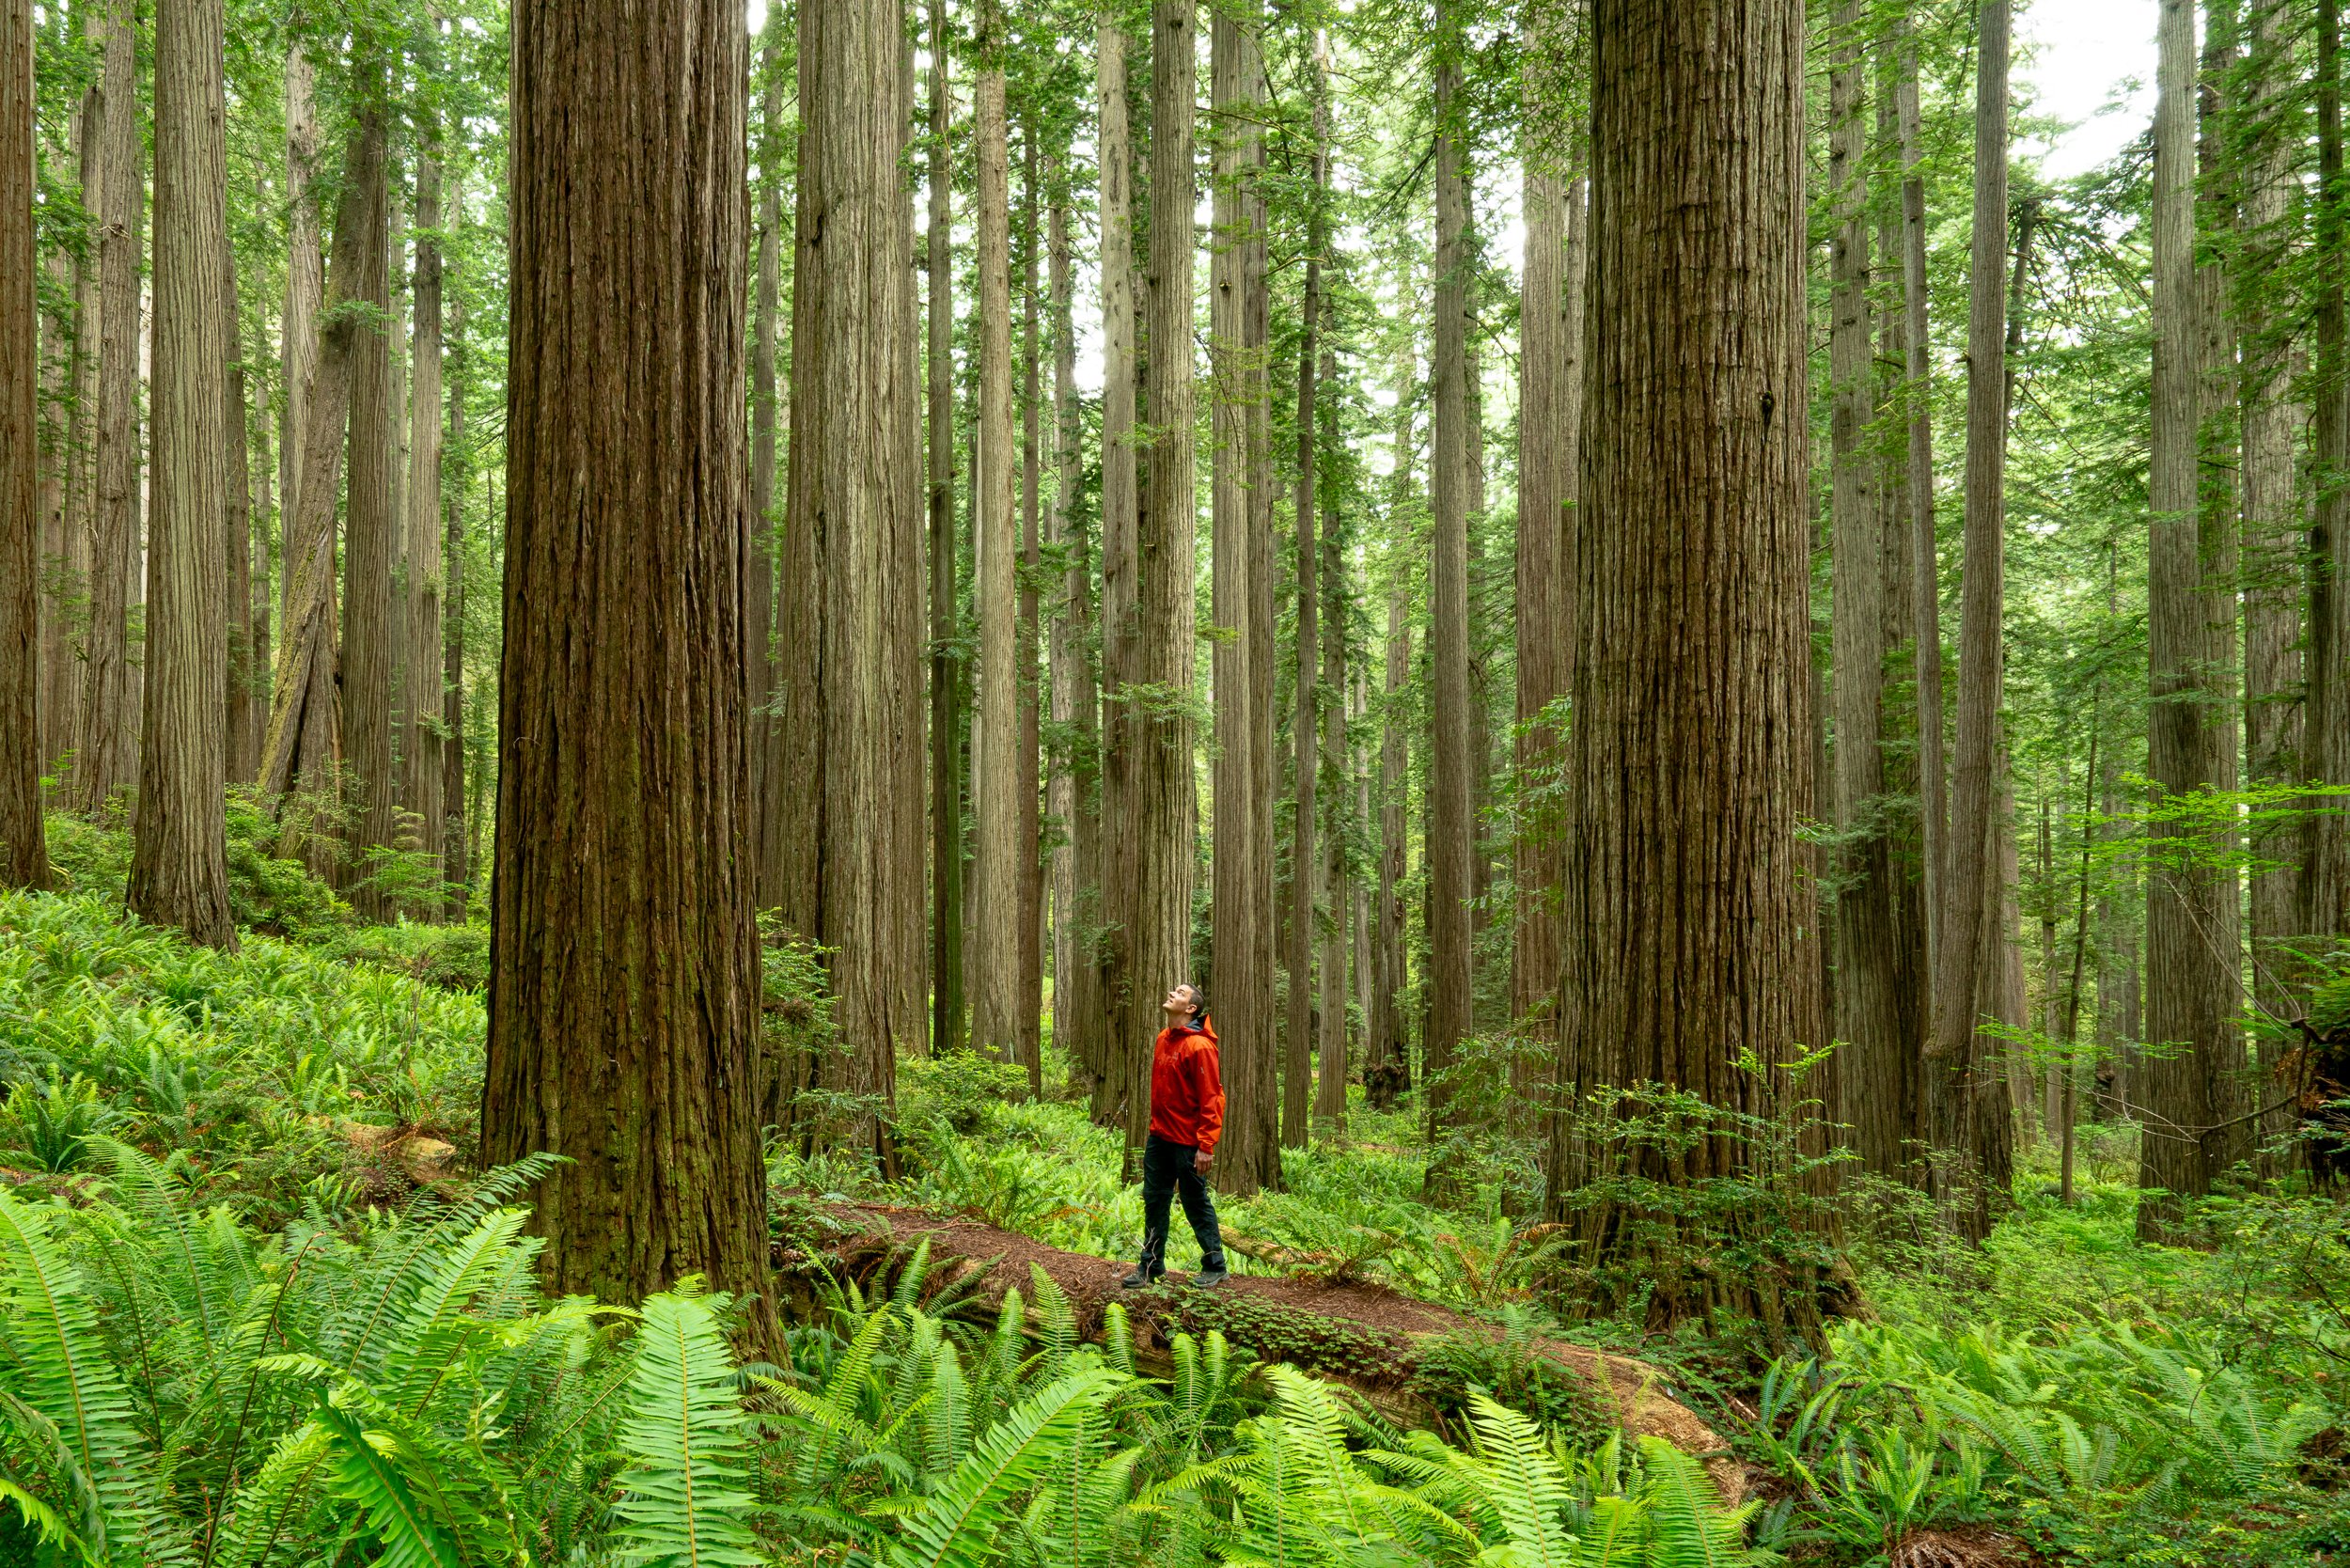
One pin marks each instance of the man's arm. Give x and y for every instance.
(1208, 1074)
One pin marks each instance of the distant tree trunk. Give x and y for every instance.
(1924, 561)
(2193, 1084)
(1330, 1044)
(262, 527)
(241, 712)
(945, 775)
(23, 855)
(1550, 411)
(1964, 1085)
(1388, 1044)
(1240, 978)
(2272, 544)
(2324, 891)
(305, 284)
(1148, 804)
(304, 739)
(1450, 833)
(995, 741)
(1258, 1062)
(1076, 708)
(1697, 220)
(61, 545)
(456, 863)
(853, 567)
(105, 743)
(1029, 981)
(1305, 729)
(759, 596)
(370, 557)
(427, 561)
(63, 718)
(624, 959)
(178, 865)
(1875, 1028)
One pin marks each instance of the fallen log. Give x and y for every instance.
(1382, 1344)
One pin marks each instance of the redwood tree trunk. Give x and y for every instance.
(1688, 918)
(624, 960)
(178, 865)
(427, 561)
(1029, 982)
(946, 776)
(2326, 853)
(1305, 726)
(370, 557)
(23, 857)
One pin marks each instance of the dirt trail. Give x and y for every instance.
(1365, 1336)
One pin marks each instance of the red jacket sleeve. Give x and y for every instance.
(1208, 1077)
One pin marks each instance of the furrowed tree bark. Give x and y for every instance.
(1925, 579)
(428, 566)
(23, 855)
(1149, 806)
(853, 704)
(1305, 728)
(1114, 1075)
(2193, 1084)
(178, 862)
(62, 542)
(995, 738)
(1336, 794)
(945, 773)
(1259, 1061)
(1451, 832)
(1964, 1090)
(1029, 982)
(243, 713)
(456, 863)
(260, 608)
(371, 557)
(1549, 410)
(1241, 960)
(105, 739)
(624, 959)
(306, 285)
(1388, 1044)
(1690, 756)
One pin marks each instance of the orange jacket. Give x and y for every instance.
(1188, 1088)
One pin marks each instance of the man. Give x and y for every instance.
(1187, 1115)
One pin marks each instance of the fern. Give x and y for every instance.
(681, 1490)
(958, 1525)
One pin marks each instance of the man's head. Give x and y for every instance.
(1183, 1005)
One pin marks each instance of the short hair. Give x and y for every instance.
(1198, 997)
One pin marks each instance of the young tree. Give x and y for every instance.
(106, 742)
(624, 960)
(23, 855)
(850, 626)
(1690, 755)
(178, 866)
(995, 744)
(2193, 1082)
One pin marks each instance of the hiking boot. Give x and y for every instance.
(1141, 1279)
(1209, 1279)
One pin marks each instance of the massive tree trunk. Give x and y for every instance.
(1451, 832)
(1113, 1075)
(1029, 982)
(1689, 921)
(105, 740)
(2325, 892)
(1550, 402)
(2194, 1082)
(1241, 961)
(178, 865)
(1076, 709)
(1147, 807)
(853, 538)
(946, 757)
(759, 595)
(305, 284)
(371, 557)
(1925, 631)
(1964, 1087)
(421, 759)
(1305, 726)
(1260, 1060)
(996, 740)
(23, 857)
(624, 959)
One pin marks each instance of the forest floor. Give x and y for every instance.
(2091, 1400)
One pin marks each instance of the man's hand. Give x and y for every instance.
(1201, 1159)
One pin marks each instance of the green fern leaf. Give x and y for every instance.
(957, 1526)
(681, 1492)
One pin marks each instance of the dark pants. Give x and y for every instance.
(1167, 1169)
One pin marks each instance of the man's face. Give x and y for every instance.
(1178, 1005)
